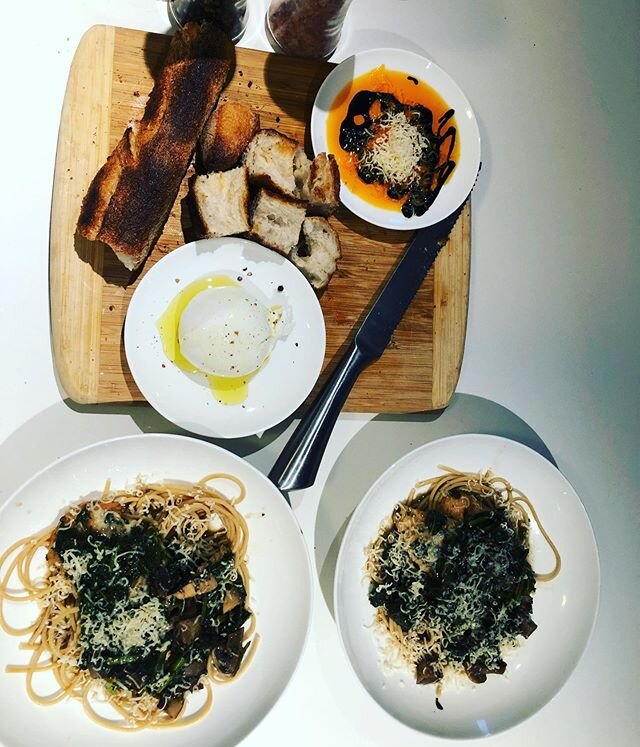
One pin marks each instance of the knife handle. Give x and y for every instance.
(297, 465)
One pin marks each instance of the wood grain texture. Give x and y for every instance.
(109, 82)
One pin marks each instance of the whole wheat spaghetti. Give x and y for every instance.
(450, 576)
(144, 600)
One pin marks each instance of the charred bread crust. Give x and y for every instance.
(101, 189)
(264, 181)
(226, 135)
(131, 196)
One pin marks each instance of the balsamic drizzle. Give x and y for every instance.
(361, 126)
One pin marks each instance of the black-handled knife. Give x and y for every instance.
(297, 465)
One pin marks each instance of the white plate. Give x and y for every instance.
(459, 184)
(280, 591)
(564, 608)
(277, 390)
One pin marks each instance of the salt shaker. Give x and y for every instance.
(307, 28)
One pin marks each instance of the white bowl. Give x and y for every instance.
(280, 592)
(277, 390)
(564, 608)
(461, 181)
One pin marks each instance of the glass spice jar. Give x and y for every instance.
(307, 28)
(229, 15)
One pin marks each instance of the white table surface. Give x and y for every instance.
(552, 353)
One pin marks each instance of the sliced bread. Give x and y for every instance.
(222, 201)
(230, 128)
(276, 220)
(323, 185)
(269, 159)
(317, 252)
(301, 172)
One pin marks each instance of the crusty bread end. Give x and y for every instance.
(130, 198)
(230, 128)
(324, 185)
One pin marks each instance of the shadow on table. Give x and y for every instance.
(67, 426)
(370, 452)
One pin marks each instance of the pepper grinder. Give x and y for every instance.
(306, 28)
(230, 15)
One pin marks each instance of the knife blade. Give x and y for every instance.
(299, 461)
(394, 299)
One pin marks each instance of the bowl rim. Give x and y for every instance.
(460, 183)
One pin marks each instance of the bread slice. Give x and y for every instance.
(318, 251)
(276, 220)
(269, 158)
(130, 198)
(301, 173)
(222, 202)
(323, 186)
(230, 128)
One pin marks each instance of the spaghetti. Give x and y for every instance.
(450, 577)
(143, 601)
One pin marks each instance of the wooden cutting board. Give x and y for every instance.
(109, 81)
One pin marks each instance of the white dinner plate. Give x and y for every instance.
(278, 388)
(461, 181)
(280, 592)
(564, 608)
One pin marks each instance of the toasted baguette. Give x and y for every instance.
(276, 220)
(130, 198)
(222, 202)
(317, 252)
(230, 128)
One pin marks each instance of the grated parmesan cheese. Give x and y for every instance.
(401, 563)
(396, 149)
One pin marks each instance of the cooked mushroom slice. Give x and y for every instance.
(165, 581)
(186, 592)
(228, 656)
(171, 706)
(477, 673)
(195, 669)
(477, 504)
(195, 588)
(426, 671)
(500, 668)
(231, 599)
(454, 506)
(189, 630)
(215, 546)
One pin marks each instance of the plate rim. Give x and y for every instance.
(295, 525)
(318, 121)
(353, 521)
(210, 245)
